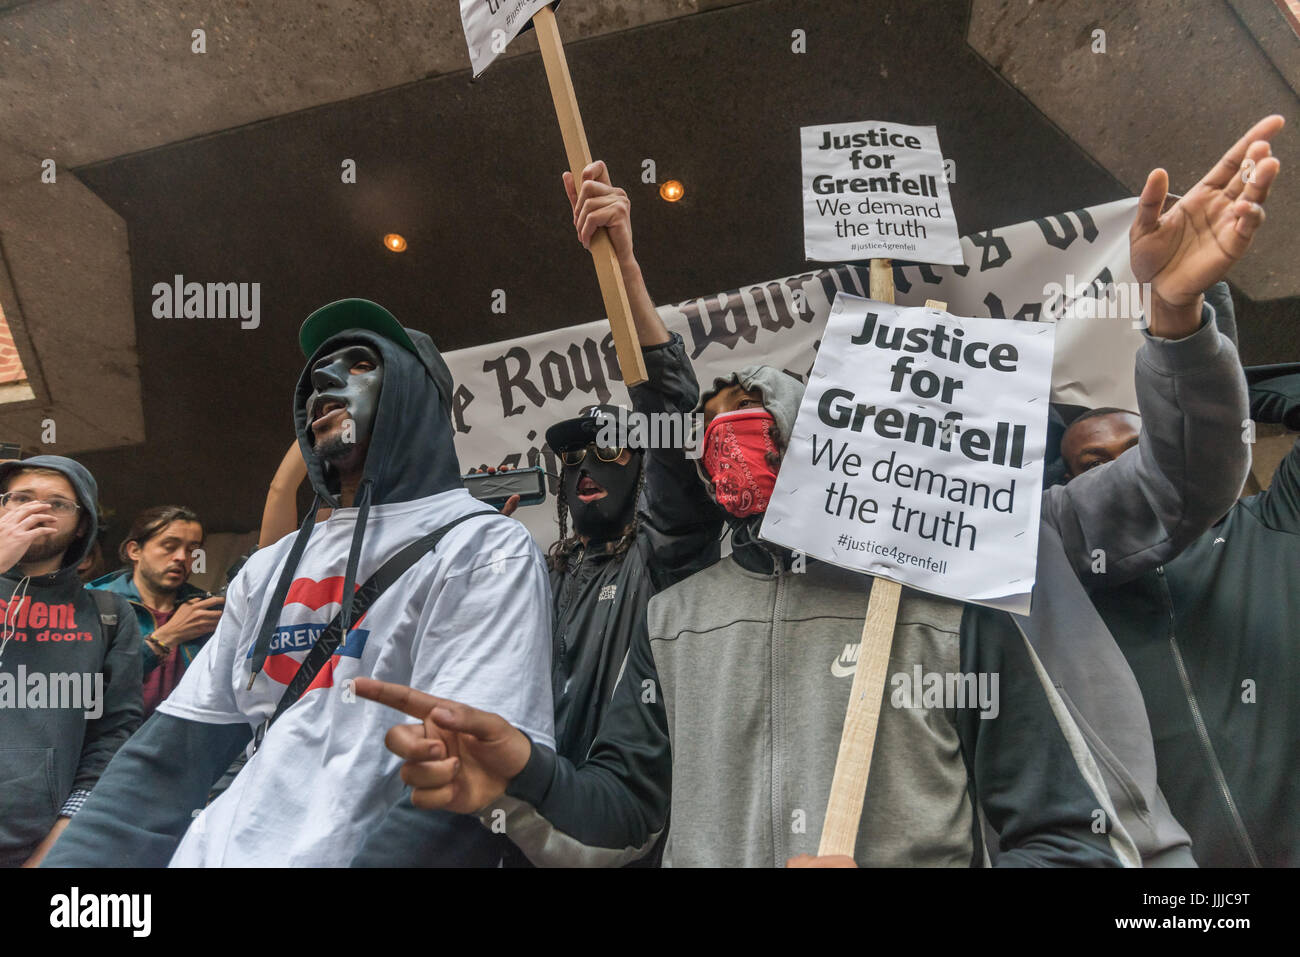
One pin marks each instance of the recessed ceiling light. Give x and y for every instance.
(671, 191)
(395, 242)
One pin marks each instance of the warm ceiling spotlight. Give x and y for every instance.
(671, 191)
(395, 242)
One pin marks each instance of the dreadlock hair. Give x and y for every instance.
(557, 556)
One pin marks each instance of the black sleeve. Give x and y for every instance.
(611, 809)
(1277, 401)
(122, 701)
(146, 798)
(681, 522)
(1028, 764)
(410, 836)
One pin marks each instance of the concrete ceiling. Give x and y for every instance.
(224, 166)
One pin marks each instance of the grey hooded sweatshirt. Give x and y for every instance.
(756, 656)
(1105, 527)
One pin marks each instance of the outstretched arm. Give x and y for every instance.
(607, 811)
(682, 523)
(1128, 516)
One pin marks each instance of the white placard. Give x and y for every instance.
(509, 392)
(490, 25)
(876, 190)
(917, 454)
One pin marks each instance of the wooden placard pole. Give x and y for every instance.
(858, 739)
(608, 274)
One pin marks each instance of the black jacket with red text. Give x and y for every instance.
(69, 698)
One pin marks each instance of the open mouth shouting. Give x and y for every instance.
(589, 491)
(325, 412)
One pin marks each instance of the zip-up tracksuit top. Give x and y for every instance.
(1213, 638)
(756, 656)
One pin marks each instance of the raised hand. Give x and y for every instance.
(1193, 244)
(596, 203)
(21, 528)
(458, 758)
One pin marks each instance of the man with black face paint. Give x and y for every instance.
(640, 523)
(465, 616)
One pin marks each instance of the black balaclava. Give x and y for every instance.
(606, 518)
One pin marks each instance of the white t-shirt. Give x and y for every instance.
(469, 622)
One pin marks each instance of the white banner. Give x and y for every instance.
(1072, 268)
(876, 190)
(918, 451)
(508, 393)
(490, 25)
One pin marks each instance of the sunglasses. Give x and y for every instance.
(575, 456)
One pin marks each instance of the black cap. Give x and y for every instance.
(569, 435)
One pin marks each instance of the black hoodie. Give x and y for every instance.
(54, 629)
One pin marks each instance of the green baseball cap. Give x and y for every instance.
(329, 320)
(336, 317)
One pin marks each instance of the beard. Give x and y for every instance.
(156, 581)
(52, 547)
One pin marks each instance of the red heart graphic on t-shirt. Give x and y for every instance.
(314, 594)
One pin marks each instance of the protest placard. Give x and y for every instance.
(917, 454)
(491, 24)
(876, 189)
(498, 21)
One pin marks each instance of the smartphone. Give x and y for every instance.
(494, 488)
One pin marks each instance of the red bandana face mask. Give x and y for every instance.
(736, 446)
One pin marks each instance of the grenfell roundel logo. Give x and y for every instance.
(290, 642)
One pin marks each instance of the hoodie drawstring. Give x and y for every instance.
(262, 647)
(354, 554)
(16, 600)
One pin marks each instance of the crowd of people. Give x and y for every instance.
(655, 689)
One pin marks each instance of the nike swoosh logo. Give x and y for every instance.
(840, 671)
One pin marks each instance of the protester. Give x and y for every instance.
(69, 658)
(747, 653)
(732, 620)
(639, 524)
(467, 620)
(1211, 637)
(1180, 252)
(175, 618)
